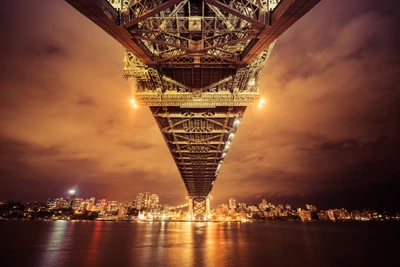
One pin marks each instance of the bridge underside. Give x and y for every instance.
(196, 64)
(198, 139)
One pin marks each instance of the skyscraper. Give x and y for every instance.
(232, 203)
(154, 199)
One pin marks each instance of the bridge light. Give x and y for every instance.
(133, 103)
(231, 135)
(262, 102)
(252, 82)
(227, 145)
(236, 122)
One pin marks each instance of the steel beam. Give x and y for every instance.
(148, 13)
(105, 16)
(233, 11)
(284, 16)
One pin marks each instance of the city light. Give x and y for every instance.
(72, 192)
(148, 209)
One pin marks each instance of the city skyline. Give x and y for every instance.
(146, 207)
(328, 133)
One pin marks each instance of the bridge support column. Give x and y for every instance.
(199, 208)
(208, 210)
(190, 212)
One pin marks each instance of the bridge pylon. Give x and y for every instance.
(199, 208)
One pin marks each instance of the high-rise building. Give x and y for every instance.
(103, 204)
(91, 203)
(76, 204)
(232, 203)
(85, 204)
(145, 201)
(138, 201)
(154, 199)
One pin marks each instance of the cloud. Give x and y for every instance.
(87, 101)
(137, 145)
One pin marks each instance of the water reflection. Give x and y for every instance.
(308, 245)
(55, 244)
(282, 244)
(145, 242)
(93, 254)
(179, 244)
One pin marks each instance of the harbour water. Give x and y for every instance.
(68, 243)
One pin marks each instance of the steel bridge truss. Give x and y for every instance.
(196, 64)
(198, 139)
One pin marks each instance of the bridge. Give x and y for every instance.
(196, 64)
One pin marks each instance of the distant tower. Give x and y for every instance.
(232, 203)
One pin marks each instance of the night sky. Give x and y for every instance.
(329, 134)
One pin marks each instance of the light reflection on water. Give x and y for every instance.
(55, 243)
(66, 243)
(92, 255)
